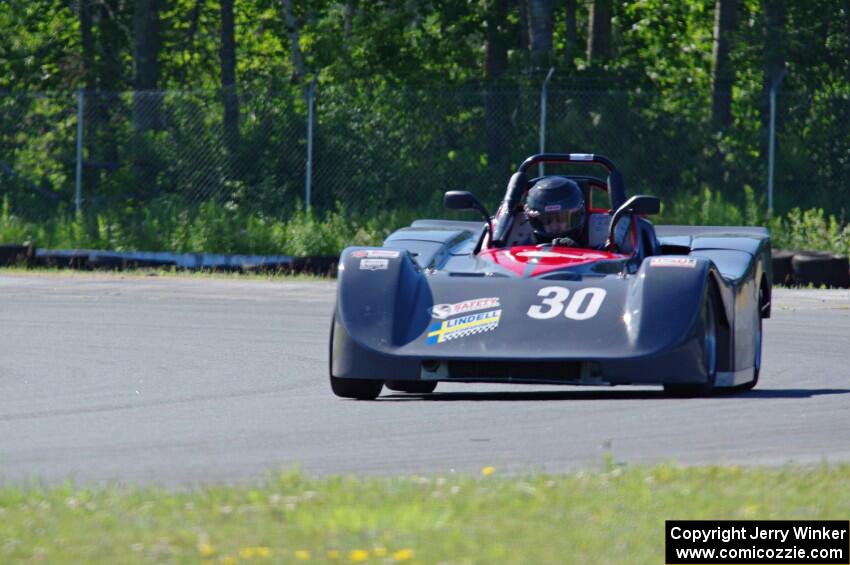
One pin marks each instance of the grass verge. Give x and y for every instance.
(174, 272)
(614, 515)
(214, 228)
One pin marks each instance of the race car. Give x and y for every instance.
(622, 302)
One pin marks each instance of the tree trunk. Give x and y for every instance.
(572, 34)
(87, 41)
(110, 40)
(112, 37)
(540, 26)
(145, 67)
(774, 60)
(522, 37)
(496, 120)
(599, 31)
(847, 43)
(723, 72)
(228, 77)
(294, 47)
(90, 81)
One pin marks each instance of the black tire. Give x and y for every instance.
(821, 269)
(360, 389)
(710, 357)
(415, 387)
(783, 273)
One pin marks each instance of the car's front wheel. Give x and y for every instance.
(361, 389)
(709, 355)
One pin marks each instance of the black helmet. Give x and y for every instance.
(555, 208)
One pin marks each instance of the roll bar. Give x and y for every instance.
(519, 181)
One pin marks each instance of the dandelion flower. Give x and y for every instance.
(206, 549)
(247, 553)
(487, 471)
(263, 551)
(302, 555)
(358, 555)
(403, 554)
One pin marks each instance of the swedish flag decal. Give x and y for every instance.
(463, 326)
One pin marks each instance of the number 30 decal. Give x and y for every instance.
(584, 304)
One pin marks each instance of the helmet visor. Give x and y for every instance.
(558, 221)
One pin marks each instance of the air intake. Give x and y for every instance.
(515, 370)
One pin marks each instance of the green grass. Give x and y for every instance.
(614, 515)
(144, 272)
(216, 228)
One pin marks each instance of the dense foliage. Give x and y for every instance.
(411, 98)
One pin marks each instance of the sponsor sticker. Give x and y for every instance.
(463, 326)
(443, 311)
(552, 208)
(376, 254)
(374, 264)
(685, 262)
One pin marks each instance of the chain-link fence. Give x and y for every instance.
(396, 148)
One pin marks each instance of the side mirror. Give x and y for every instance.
(639, 204)
(464, 200)
(642, 204)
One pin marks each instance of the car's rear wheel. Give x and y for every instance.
(360, 389)
(709, 355)
(416, 387)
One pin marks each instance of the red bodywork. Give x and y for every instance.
(533, 261)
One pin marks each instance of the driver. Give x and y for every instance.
(555, 210)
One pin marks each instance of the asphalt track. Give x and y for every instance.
(180, 381)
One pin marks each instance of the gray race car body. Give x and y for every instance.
(679, 306)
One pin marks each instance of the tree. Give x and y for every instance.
(495, 65)
(540, 25)
(294, 47)
(599, 30)
(145, 64)
(774, 58)
(228, 77)
(572, 33)
(523, 38)
(722, 68)
(87, 41)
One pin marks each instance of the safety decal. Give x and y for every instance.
(686, 262)
(456, 328)
(376, 253)
(374, 264)
(443, 311)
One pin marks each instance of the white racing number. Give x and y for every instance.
(584, 304)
